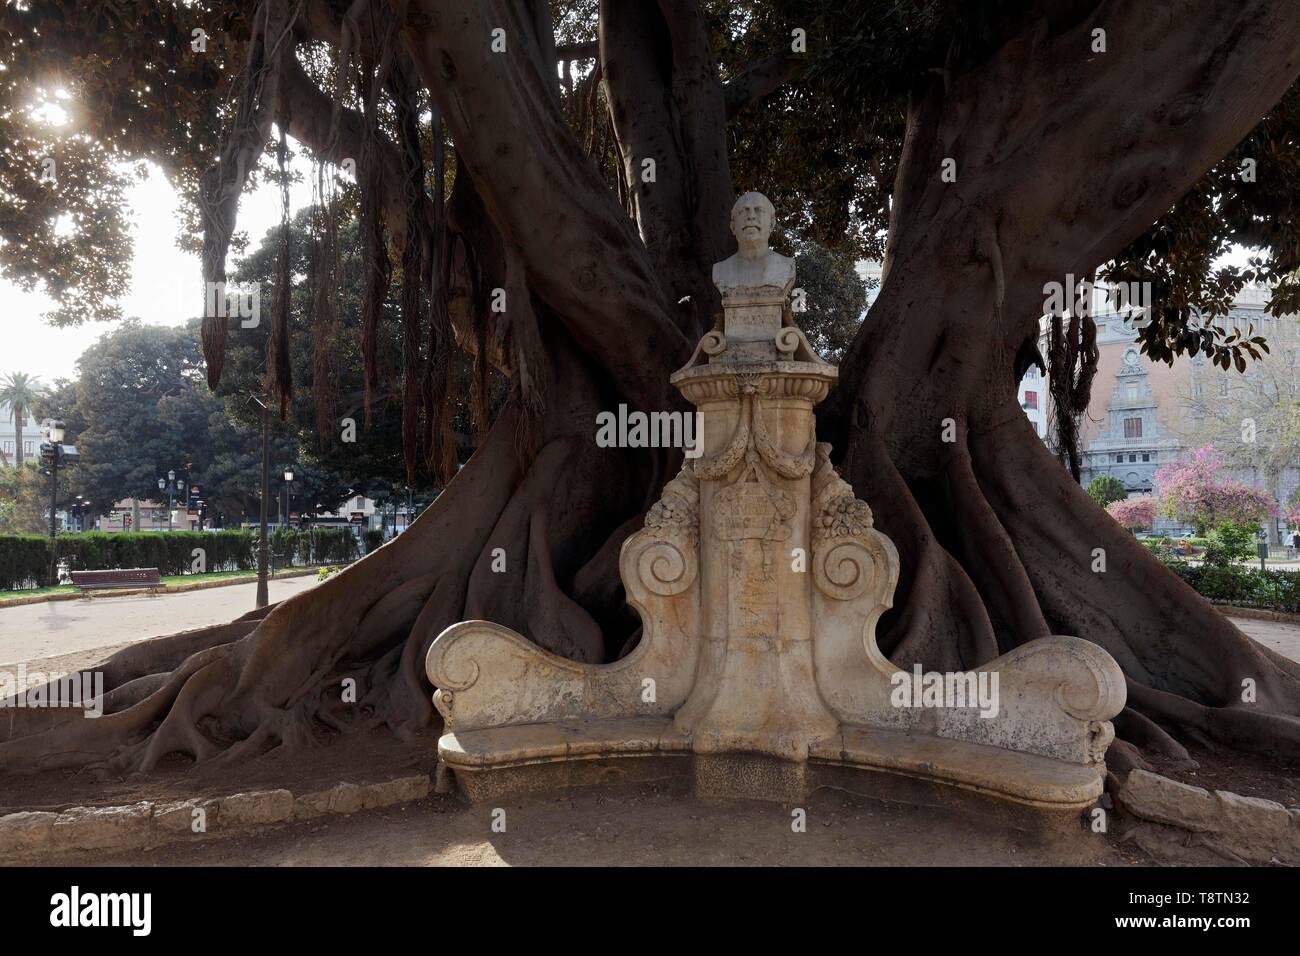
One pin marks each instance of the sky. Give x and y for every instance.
(166, 283)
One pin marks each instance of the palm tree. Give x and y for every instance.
(19, 391)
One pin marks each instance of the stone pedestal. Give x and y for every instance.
(759, 578)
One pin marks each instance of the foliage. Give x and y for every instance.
(291, 546)
(143, 409)
(1242, 586)
(19, 391)
(1193, 490)
(24, 500)
(130, 87)
(836, 299)
(1293, 509)
(24, 561)
(1136, 514)
(1228, 543)
(1105, 489)
(375, 455)
(170, 552)
(153, 99)
(372, 539)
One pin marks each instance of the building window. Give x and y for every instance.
(1146, 456)
(1031, 400)
(1132, 428)
(27, 449)
(1119, 458)
(9, 448)
(1132, 459)
(1132, 391)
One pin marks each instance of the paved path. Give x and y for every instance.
(1283, 638)
(79, 633)
(62, 628)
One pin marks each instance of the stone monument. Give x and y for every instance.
(759, 578)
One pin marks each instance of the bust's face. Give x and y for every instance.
(751, 220)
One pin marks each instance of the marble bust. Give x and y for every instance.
(754, 266)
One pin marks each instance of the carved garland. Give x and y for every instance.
(751, 434)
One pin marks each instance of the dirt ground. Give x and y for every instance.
(643, 828)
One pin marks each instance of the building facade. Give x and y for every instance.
(9, 437)
(1143, 415)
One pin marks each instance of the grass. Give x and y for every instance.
(167, 580)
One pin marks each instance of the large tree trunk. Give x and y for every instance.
(998, 545)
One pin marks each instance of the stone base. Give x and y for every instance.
(888, 765)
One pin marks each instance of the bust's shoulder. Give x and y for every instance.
(782, 266)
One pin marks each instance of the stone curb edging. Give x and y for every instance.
(1259, 831)
(144, 825)
(166, 589)
(1257, 614)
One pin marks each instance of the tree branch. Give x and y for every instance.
(587, 50)
(309, 112)
(581, 255)
(759, 80)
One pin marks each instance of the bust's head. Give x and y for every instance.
(752, 218)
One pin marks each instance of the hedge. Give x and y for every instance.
(290, 546)
(25, 559)
(171, 552)
(1242, 586)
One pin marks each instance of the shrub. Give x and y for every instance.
(170, 552)
(373, 540)
(1228, 543)
(24, 561)
(1136, 514)
(1242, 586)
(1106, 489)
(290, 546)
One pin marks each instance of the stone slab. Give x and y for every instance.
(1007, 774)
(555, 756)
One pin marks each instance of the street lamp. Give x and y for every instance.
(263, 598)
(288, 495)
(55, 453)
(169, 485)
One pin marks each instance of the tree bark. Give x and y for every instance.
(1048, 181)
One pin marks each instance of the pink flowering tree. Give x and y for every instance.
(1195, 490)
(1136, 514)
(1293, 514)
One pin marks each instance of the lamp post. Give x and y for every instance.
(288, 495)
(56, 452)
(263, 597)
(170, 486)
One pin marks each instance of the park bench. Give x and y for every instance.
(119, 578)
